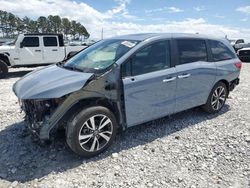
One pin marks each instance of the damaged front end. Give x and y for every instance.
(42, 92)
(38, 111)
(49, 97)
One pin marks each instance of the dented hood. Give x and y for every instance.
(50, 82)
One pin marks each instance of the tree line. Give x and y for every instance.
(12, 25)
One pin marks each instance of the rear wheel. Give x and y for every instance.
(91, 131)
(3, 69)
(217, 98)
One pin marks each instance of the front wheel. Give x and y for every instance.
(217, 98)
(3, 69)
(91, 131)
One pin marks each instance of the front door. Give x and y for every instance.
(31, 51)
(149, 84)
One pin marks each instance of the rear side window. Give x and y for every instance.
(220, 51)
(153, 57)
(30, 42)
(50, 41)
(191, 50)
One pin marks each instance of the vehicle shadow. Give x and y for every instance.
(17, 74)
(22, 160)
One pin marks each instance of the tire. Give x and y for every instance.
(87, 139)
(216, 99)
(3, 69)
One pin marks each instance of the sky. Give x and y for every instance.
(118, 17)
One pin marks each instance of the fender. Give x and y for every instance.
(96, 88)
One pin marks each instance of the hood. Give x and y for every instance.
(50, 82)
(246, 48)
(6, 48)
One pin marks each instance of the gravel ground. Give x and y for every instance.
(189, 149)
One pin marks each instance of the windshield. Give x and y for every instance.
(14, 42)
(247, 45)
(100, 55)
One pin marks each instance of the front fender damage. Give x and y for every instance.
(51, 117)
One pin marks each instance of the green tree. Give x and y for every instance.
(73, 30)
(57, 23)
(2, 21)
(19, 25)
(42, 23)
(26, 23)
(33, 27)
(11, 25)
(5, 28)
(66, 26)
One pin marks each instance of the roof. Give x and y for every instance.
(41, 34)
(139, 36)
(144, 36)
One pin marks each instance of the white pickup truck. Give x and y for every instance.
(35, 50)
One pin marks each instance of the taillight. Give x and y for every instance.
(238, 65)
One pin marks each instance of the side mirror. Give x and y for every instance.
(21, 45)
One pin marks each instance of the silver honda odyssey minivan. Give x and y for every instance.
(125, 81)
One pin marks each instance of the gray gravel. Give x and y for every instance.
(189, 149)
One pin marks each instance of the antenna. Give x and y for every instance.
(102, 34)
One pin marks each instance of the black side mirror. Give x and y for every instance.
(21, 45)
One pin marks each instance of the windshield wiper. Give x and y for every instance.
(73, 68)
(60, 64)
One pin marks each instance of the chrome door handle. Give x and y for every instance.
(184, 76)
(169, 79)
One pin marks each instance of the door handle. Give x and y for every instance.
(169, 79)
(54, 50)
(184, 76)
(37, 50)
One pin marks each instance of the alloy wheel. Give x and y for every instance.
(95, 133)
(218, 98)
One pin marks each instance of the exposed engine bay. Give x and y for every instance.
(37, 111)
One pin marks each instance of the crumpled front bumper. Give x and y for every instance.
(37, 114)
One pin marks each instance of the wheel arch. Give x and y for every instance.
(95, 101)
(226, 83)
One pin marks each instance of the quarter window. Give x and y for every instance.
(152, 58)
(50, 41)
(191, 50)
(220, 51)
(30, 42)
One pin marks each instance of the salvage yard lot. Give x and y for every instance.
(189, 149)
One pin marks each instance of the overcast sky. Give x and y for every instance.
(116, 17)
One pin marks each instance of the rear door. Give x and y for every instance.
(52, 52)
(224, 58)
(30, 51)
(195, 74)
(149, 84)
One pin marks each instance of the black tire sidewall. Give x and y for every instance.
(75, 125)
(4, 69)
(208, 106)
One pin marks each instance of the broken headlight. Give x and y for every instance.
(37, 111)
